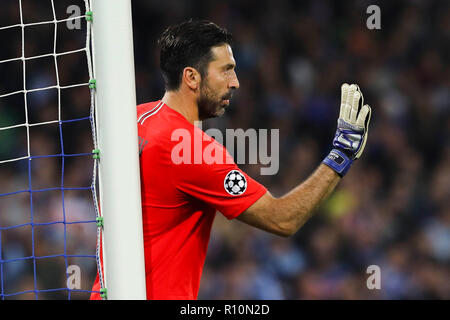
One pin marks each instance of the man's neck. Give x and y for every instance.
(185, 106)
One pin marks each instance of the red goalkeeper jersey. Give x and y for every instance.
(186, 176)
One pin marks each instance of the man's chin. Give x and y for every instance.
(218, 111)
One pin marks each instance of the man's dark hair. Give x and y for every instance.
(188, 44)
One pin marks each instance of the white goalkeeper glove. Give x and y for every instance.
(352, 129)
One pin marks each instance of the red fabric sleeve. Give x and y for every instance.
(220, 184)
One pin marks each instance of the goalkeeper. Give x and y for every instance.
(180, 200)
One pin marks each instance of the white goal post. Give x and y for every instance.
(119, 182)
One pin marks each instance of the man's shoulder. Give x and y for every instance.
(160, 127)
(146, 110)
(158, 114)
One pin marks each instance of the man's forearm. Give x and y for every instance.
(297, 206)
(285, 215)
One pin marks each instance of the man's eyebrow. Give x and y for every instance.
(229, 66)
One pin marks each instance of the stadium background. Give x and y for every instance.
(391, 210)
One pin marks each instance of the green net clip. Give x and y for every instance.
(89, 16)
(92, 84)
(96, 153)
(99, 221)
(103, 293)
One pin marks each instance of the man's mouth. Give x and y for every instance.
(227, 98)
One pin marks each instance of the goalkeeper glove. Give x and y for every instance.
(352, 128)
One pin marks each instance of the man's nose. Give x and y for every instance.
(234, 83)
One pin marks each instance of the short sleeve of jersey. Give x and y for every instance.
(218, 181)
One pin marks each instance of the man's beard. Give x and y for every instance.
(209, 104)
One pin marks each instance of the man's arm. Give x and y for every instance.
(285, 215)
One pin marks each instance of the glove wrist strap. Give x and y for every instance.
(338, 161)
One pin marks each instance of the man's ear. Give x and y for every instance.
(191, 77)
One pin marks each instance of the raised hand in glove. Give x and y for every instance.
(352, 129)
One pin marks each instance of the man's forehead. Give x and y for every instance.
(223, 54)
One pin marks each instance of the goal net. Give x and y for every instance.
(68, 125)
(49, 218)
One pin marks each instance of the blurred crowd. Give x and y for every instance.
(392, 209)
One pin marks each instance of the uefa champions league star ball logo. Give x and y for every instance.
(235, 183)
